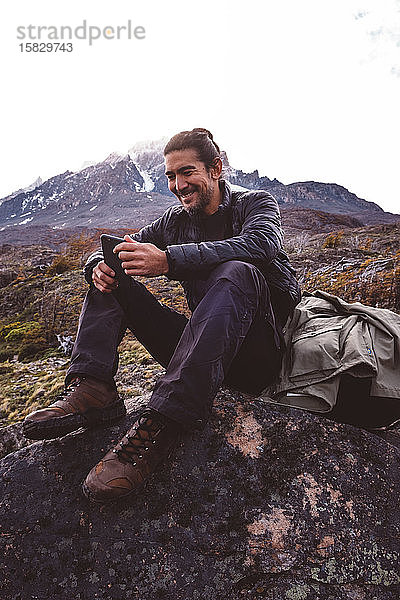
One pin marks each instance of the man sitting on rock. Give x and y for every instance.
(225, 247)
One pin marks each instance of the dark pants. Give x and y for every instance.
(231, 338)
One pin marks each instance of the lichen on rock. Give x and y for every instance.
(220, 520)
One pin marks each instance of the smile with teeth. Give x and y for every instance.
(187, 196)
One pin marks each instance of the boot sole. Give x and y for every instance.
(59, 426)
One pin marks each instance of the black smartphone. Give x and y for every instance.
(108, 243)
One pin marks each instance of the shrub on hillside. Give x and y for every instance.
(333, 239)
(61, 264)
(14, 332)
(25, 339)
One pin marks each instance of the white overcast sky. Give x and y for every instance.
(299, 89)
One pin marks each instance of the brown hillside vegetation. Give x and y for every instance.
(359, 265)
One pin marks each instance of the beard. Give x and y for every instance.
(203, 200)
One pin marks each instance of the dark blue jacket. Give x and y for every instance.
(251, 233)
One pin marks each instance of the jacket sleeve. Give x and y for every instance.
(152, 233)
(259, 241)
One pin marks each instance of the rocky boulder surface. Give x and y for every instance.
(12, 439)
(265, 502)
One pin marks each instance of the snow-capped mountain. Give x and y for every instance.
(113, 191)
(131, 190)
(26, 189)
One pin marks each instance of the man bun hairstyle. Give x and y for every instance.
(201, 140)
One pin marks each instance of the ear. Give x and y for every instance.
(216, 169)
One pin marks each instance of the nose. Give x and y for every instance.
(180, 182)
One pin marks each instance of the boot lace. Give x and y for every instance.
(71, 387)
(132, 447)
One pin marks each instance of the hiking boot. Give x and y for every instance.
(85, 402)
(125, 468)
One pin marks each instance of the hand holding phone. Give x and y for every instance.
(133, 258)
(108, 243)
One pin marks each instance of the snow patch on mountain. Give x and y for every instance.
(148, 182)
(38, 182)
(25, 221)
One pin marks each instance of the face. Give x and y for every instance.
(196, 188)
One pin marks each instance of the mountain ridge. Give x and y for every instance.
(130, 190)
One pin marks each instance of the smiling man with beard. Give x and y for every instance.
(193, 184)
(225, 247)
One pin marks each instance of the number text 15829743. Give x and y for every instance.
(46, 47)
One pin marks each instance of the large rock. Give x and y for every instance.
(265, 502)
(12, 439)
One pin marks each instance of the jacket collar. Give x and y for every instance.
(226, 195)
